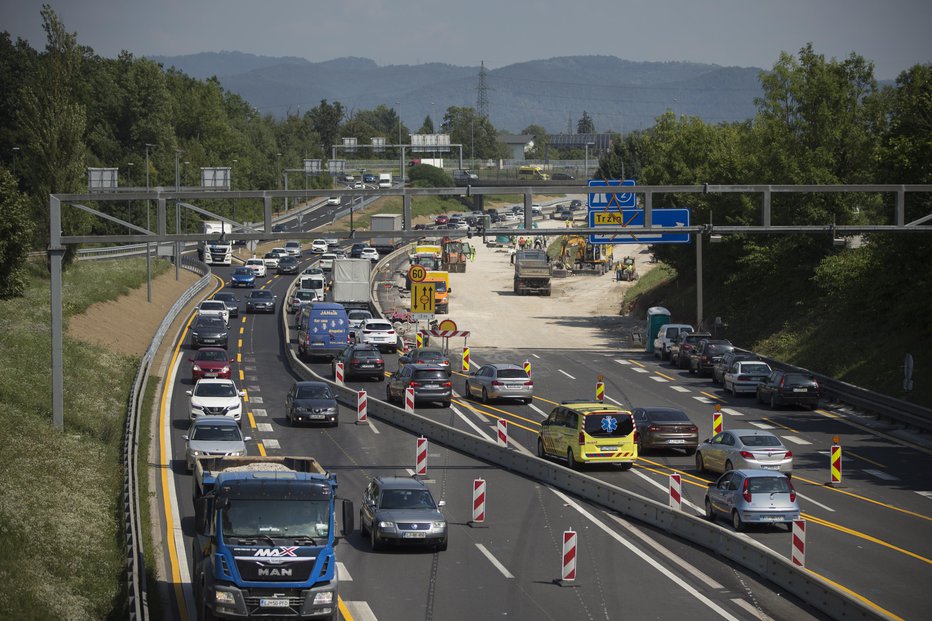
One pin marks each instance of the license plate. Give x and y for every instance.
(800, 390)
(771, 518)
(366, 366)
(274, 603)
(677, 441)
(768, 467)
(417, 535)
(608, 448)
(210, 375)
(315, 416)
(514, 386)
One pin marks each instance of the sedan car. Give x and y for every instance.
(333, 200)
(293, 248)
(243, 277)
(752, 497)
(669, 428)
(402, 510)
(209, 331)
(210, 362)
(213, 436)
(704, 356)
(682, 347)
(378, 332)
(230, 300)
(311, 402)
(430, 383)
(300, 297)
(214, 308)
(786, 388)
(260, 300)
(500, 381)
(441, 219)
(744, 376)
(720, 366)
(257, 266)
(319, 246)
(326, 261)
(288, 265)
(426, 355)
(743, 448)
(360, 360)
(216, 397)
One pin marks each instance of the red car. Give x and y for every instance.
(440, 220)
(210, 362)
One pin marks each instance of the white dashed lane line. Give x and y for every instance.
(566, 374)
(703, 399)
(657, 378)
(926, 494)
(762, 425)
(260, 412)
(264, 427)
(625, 362)
(732, 412)
(880, 474)
(640, 370)
(680, 389)
(796, 440)
(495, 562)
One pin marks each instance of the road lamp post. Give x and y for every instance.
(401, 155)
(129, 179)
(233, 200)
(15, 151)
(148, 248)
(177, 214)
(588, 144)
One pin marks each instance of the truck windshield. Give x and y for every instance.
(247, 518)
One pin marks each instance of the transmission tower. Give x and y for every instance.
(482, 93)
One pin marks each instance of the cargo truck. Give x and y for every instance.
(350, 286)
(390, 222)
(532, 272)
(217, 251)
(264, 542)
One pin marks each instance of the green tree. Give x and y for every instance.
(16, 230)
(427, 127)
(326, 119)
(585, 125)
(476, 133)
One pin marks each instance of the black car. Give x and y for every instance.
(562, 177)
(681, 349)
(288, 265)
(722, 365)
(260, 300)
(426, 355)
(575, 204)
(208, 330)
(660, 427)
(360, 360)
(707, 353)
(401, 510)
(356, 250)
(789, 388)
(230, 300)
(311, 402)
(430, 383)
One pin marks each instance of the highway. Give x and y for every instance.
(871, 537)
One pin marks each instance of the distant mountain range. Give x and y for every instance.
(619, 95)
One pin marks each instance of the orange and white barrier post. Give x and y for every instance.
(527, 367)
(465, 360)
(409, 400)
(421, 457)
(338, 373)
(676, 492)
(478, 501)
(718, 419)
(361, 407)
(798, 553)
(836, 462)
(569, 556)
(502, 427)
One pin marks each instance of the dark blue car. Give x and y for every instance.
(243, 277)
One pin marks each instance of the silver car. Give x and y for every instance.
(745, 375)
(752, 496)
(213, 435)
(401, 510)
(743, 448)
(500, 381)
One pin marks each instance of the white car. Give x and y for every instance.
(745, 375)
(214, 308)
(271, 260)
(369, 253)
(535, 209)
(293, 248)
(258, 266)
(378, 332)
(332, 243)
(333, 200)
(319, 246)
(326, 261)
(216, 397)
(357, 317)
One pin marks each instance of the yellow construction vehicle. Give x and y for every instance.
(585, 257)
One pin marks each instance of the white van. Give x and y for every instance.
(665, 337)
(385, 180)
(313, 282)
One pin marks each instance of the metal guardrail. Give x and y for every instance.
(135, 561)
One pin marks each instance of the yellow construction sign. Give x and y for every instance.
(422, 297)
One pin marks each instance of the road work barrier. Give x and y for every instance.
(569, 556)
(798, 552)
(835, 464)
(502, 428)
(362, 415)
(338, 373)
(676, 492)
(478, 501)
(420, 458)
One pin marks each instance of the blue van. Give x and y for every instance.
(323, 329)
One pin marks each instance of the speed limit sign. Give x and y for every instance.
(417, 273)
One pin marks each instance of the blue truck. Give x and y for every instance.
(264, 543)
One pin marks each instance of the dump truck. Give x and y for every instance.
(532, 272)
(264, 538)
(350, 286)
(454, 255)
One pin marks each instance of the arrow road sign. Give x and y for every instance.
(629, 220)
(422, 297)
(603, 200)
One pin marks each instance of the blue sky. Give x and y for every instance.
(892, 34)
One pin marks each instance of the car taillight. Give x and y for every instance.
(782, 380)
(635, 435)
(529, 383)
(447, 384)
(746, 492)
(349, 339)
(391, 332)
(792, 491)
(497, 383)
(582, 438)
(743, 378)
(378, 361)
(789, 455)
(747, 455)
(694, 429)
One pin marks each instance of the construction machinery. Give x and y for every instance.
(532, 272)
(627, 270)
(585, 257)
(454, 255)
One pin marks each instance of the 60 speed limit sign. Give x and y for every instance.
(417, 273)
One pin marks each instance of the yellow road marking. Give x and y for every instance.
(239, 344)
(665, 376)
(857, 595)
(846, 421)
(850, 454)
(635, 362)
(344, 611)
(547, 400)
(261, 449)
(244, 319)
(252, 421)
(241, 376)
(779, 425)
(495, 416)
(864, 536)
(710, 395)
(239, 357)
(241, 329)
(796, 477)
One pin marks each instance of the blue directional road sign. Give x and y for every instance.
(611, 200)
(628, 219)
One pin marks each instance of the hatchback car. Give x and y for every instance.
(426, 355)
(288, 265)
(369, 253)
(333, 200)
(743, 448)
(243, 277)
(229, 298)
(216, 397)
(357, 317)
(293, 248)
(378, 332)
(326, 261)
(214, 308)
(752, 497)
(499, 381)
(360, 360)
(311, 402)
(299, 297)
(402, 510)
(209, 331)
(271, 260)
(213, 436)
(719, 368)
(430, 383)
(210, 362)
(668, 428)
(369, 178)
(441, 219)
(789, 388)
(704, 356)
(745, 375)
(683, 346)
(260, 300)
(583, 432)
(319, 246)
(332, 243)
(356, 250)
(257, 266)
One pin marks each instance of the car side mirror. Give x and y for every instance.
(246, 439)
(442, 503)
(242, 393)
(187, 392)
(185, 437)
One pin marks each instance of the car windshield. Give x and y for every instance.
(608, 424)
(429, 355)
(210, 323)
(672, 416)
(716, 349)
(794, 379)
(380, 326)
(243, 271)
(265, 295)
(368, 354)
(254, 262)
(214, 390)
(439, 285)
(213, 306)
(767, 485)
(760, 441)
(407, 499)
(314, 392)
(304, 294)
(214, 355)
(359, 314)
(512, 374)
(216, 433)
(755, 368)
(248, 518)
(432, 374)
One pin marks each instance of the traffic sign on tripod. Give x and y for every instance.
(628, 221)
(601, 199)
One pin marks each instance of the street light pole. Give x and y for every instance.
(177, 215)
(148, 247)
(588, 144)
(16, 149)
(233, 200)
(401, 156)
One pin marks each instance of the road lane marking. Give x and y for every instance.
(838, 490)
(864, 536)
(659, 379)
(680, 388)
(259, 412)
(748, 608)
(256, 399)
(239, 357)
(640, 370)
(646, 558)
(615, 401)
(356, 611)
(239, 343)
(498, 565)
(536, 356)
(272, 444)
(566, 374)
(703, 399)
(796, 440)
(264, 427)
(732, 412)
(848, 453)
(761, 425)
(242, 376)
(537, 409)
(261, 449)
(663, 488)
(252, 421)
(857, 596)
(711, 396)
(506, 413)
(672, 379)
(466, 420)
(926, 494)
(880, 474)
(779, 425)
(818, 504)
(343, 574)
(625, 362)
(635, 362)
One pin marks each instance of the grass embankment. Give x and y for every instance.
(849, 335)
(60, 537)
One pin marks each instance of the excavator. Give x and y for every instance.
(585, 257)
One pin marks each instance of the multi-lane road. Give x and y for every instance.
(870, 537)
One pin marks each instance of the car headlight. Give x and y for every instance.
(195, 406)
(224, 597)
(226, 369)
(440, 525)
(196, 368)
(323, 599)
(386, 524)
(194, 334)
(330, 411)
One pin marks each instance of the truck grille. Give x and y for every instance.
(268, 571)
